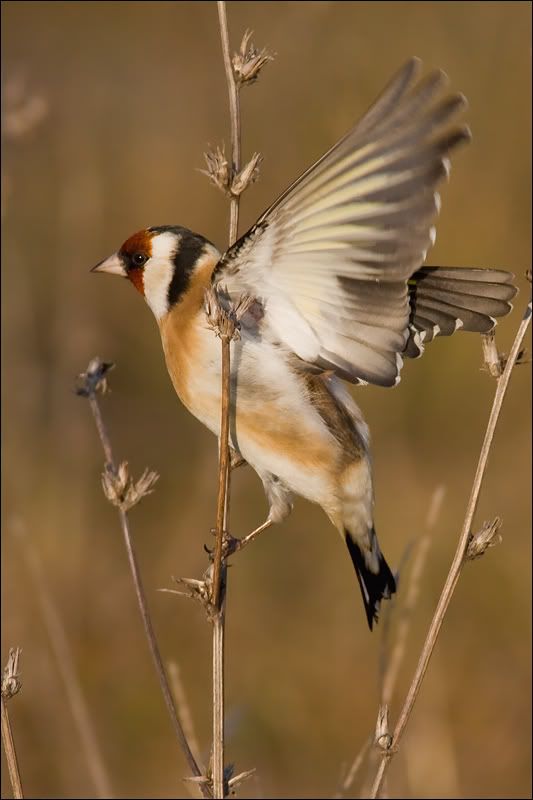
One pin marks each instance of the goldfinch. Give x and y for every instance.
(335, 270)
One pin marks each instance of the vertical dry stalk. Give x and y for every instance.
(219, 569)
(11, 755)
(391, 669)
(235, 116)
(398, 652)
(184, 708)
(122, 493)
(223, 470)
(10, 687)
(65, 663)
(219, 789)
(353, 770)
(459, 559)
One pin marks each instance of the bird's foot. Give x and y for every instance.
(231, 545)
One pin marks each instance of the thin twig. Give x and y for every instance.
(389, 672)
(235, 115)
(413, 589)
(11, 755)
(244, 68)
(356, 765)
(219, 566)
(226, 330)
(223, 469)
(90, 386)
(219, 784)
(10, 687)
(65, 662)
(459, 558)
(184, 709)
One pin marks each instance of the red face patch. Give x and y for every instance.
(140, 242)
(135, 252)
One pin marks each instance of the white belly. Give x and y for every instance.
(273, 424)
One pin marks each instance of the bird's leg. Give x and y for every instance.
(232, 545)
(280, 502)
(253, 535)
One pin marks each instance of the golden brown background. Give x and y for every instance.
(108, 107)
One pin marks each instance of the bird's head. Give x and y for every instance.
(161, 262)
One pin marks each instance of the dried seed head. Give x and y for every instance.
(120, 489)
(218, 169)
(143, 487)
(195, 589)
(382, 738)
(94, 379)
(494, 360)
(10, 679)
(487, 537)
(249, 61)
(218, 318)
(244, 303)
(247, 175)
(222, 316)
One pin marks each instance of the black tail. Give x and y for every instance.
(374, 586)
(444, 299)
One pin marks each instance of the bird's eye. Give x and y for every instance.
(138, 259)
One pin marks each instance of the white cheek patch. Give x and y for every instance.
(158, 272)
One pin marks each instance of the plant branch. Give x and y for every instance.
(235, 115)
(10, 687)
(223, 469)
(244, 68)
(11, 755)
(392, 670)
(65, 662)
(459, 558)
(353, 770)
(92, 381)
(184, 709)
(226, 330)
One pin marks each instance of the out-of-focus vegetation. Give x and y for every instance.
(133, 93)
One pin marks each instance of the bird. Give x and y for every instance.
(335, 269)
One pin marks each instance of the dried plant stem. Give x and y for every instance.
(235, 115)
(218, 704)
(11, 755)
(219, 567)
(413, 589)
(223, 470)
(184, 709)
(353, 770)
(458, 560)
(65, 663)
(218, 590)
(391, 668)
(143, 605)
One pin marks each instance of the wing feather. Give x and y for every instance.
(330, 259)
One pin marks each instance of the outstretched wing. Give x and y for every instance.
(330, 259)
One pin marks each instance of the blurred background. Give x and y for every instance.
(108, 107)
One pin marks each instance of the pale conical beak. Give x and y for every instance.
(113, 265)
